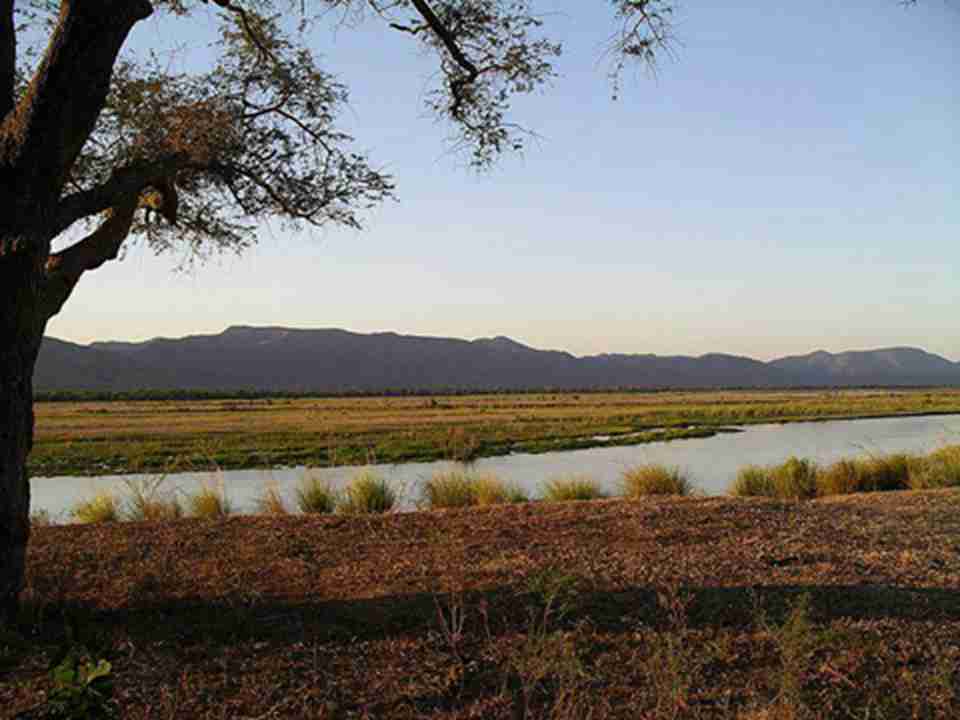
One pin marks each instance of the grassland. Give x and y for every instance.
(91, 438)
(725, 608)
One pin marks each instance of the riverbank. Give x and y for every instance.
(660, 608)
(89, 438)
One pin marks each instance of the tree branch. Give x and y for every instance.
(60, 107)
(64, 269)
(123, 183)
(8, 57)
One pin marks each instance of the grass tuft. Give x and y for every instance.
(367, 493)
(271, 501)
(315, 496)
(652, 479)
(573, 487)
(940, 469)
(145, 502)
(102, 507)
(460, 488)
(210, 502)
(793, 479)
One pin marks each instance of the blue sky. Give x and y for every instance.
(788, 182)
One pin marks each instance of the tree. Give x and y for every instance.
(98, 144)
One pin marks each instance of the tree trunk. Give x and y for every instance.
(21, 331)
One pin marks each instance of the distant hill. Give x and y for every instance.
(284, 359)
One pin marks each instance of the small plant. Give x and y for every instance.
(210, 502)
(795, 479)
(271, 501)
(886, 472)
(574, 487)
(145, 501)
(752, 481)
(461, 488)
(940, 469)
(367, 493)
(82, 687)
(40, 518)
(102, 507)
(451, 489)
(315, 496)
(841, 478)
(652, 479)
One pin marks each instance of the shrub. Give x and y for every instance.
(940, 469)
(41, 518)
(210, 502)
(145, 501)
(102, 507)
(367, 493)
(574, 487)
(841, 478)
(753, 481)
(653, 479)
(271, 501)
(315, 496)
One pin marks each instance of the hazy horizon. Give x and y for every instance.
(787, 183)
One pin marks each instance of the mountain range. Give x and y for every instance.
(332, 360)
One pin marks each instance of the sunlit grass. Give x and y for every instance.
(315, 496)
(102, 507)
(572, 487)
(270, 501)
(210, 501)
(367, 494)
(652, 479)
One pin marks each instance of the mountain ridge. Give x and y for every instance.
(245, 357)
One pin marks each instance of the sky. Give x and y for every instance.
(788, 181)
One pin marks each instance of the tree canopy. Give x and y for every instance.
(197, 159)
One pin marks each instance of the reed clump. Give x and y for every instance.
(461, 488)
(147, 502)
(210, 501)
(271, 502)
(367, 494)
(653, 479)
(940, 469)
(572, 487)
(102, 507)
(315, 496)
(793, 479)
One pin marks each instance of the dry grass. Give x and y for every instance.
(367, 494)
(210, 501)
(271, 502)
(572, 487)
(315, 495)
(651, 479)
(462, 488)
(102, 507)
(710, 609)
(793, 479)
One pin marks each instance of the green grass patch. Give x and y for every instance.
(462, 488)
(793, 479)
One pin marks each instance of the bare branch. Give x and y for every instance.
(8, 57)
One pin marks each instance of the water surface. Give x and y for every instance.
(712, 462)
